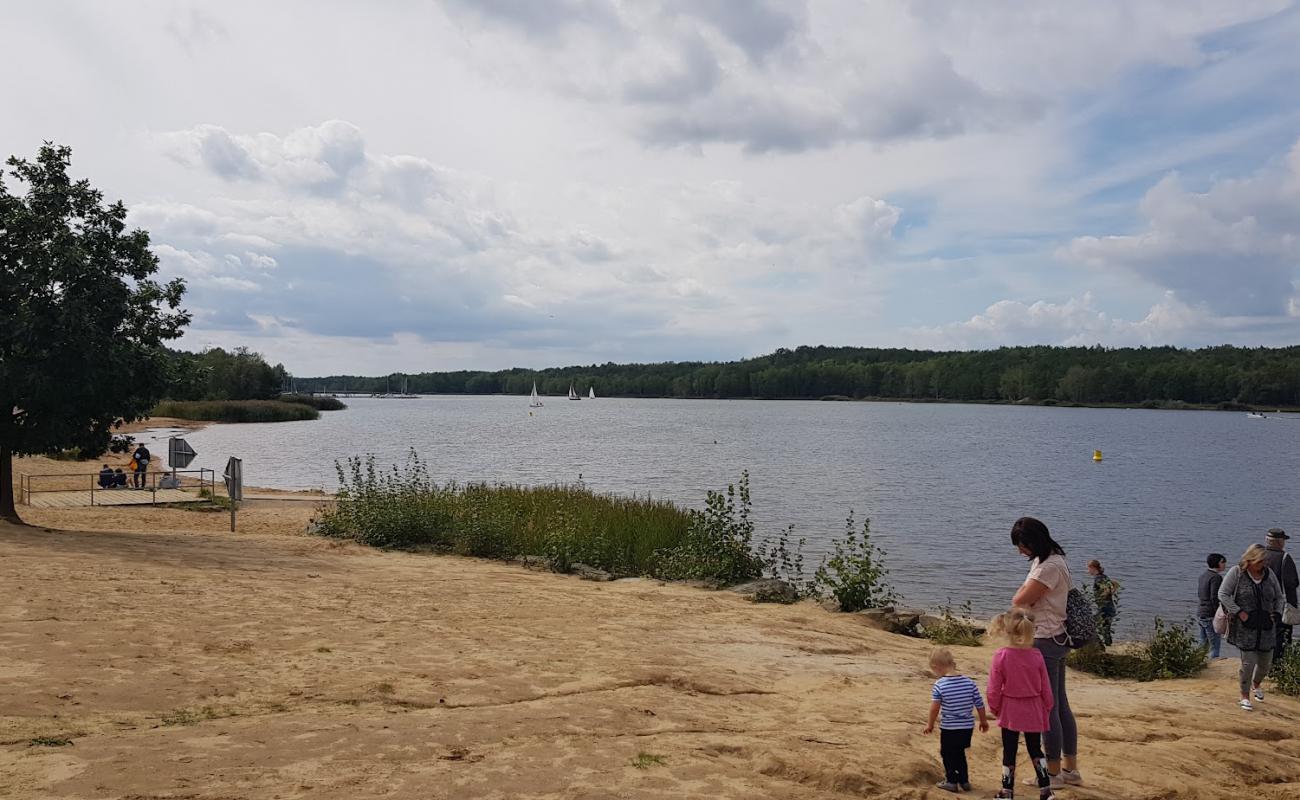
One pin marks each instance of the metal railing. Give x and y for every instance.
(206, 479)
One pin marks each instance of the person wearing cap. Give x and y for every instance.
(1283, 566)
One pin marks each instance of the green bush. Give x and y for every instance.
(854, 573)
(1171, 651)
(955, 628)
(1286, 671)
(235, 410)
(718, 547)
(320, 402)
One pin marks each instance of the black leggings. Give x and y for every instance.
(1034, 745)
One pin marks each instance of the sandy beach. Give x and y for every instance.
(149, 653)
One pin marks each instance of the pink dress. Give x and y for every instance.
(1019, 691)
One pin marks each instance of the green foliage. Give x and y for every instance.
(49, 741)
(1171, 651)
(1286, 671)
(82, 322)
(718, 544)
(854, 573)
(235, 410)
(1174, 652)
(955, 628)
(402, 507)
(648, 760)
(217, 374)
(1169, 377)
(783, 563)
(320, 402)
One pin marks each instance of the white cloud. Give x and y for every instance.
(1234, 247)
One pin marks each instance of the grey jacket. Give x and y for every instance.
(1240, 593)
(1207, 592)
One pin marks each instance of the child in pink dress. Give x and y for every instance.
(1020, 694)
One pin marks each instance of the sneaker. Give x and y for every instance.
(1246, 706)
(1071, 777)
(948, 786)
(965, 787)
(1259, 693)
(1004, 794)
(1058, 781)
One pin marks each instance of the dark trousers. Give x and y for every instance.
(952, 749)
(1284, 635)
(1033, 744)
(137, 479)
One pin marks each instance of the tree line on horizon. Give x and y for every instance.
(1223, 375)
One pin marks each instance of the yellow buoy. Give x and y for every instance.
(1096, 455)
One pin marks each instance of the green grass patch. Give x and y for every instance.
(189, 716)
(49, 741)
(319, 402)
(648, 760)
(1171, 651)
(955, 627)
(235, 410)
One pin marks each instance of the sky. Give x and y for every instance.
(366, 188)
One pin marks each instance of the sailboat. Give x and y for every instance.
(572, 394)
(536, 401)
(591, 393)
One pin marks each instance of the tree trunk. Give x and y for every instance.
(7, 510)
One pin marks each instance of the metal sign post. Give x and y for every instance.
(179, 456)
(234, 476)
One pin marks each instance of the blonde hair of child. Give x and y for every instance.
(942, 657)
(1016, 626)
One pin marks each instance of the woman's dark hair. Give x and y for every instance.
(1215, 559)
(1034, 537)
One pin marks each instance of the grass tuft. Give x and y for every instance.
(49, 741)
(648, 760)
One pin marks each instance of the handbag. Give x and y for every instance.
(1290, 615)
(1221, 621)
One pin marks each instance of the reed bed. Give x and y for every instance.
(235, 410)
(565, 523)
(316, 401)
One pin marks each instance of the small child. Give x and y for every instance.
(1020, 694)
(953, 696)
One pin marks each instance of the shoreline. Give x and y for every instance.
(169, 653)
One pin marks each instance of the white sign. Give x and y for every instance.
(234, 476)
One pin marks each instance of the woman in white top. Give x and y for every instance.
(1044, 592)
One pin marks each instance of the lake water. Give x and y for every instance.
(941, 483)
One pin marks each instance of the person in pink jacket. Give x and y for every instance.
(1020, 694)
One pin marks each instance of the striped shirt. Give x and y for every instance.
(957, 696)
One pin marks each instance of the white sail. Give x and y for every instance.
(591, 393)
(535, 402)
(572, 394)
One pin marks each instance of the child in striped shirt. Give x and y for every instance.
(952, 700)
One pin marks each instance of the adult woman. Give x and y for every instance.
(1252, 598)
(1044, 592)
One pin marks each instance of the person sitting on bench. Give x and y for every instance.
(106, 479)
(119, 478)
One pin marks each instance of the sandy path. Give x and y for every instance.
(187, 662)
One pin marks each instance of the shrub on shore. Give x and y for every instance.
(1171, 651)
(403, 507)
(235, 410)
(1286, 671)
(319, 402)
(854, 573)
(955, 627)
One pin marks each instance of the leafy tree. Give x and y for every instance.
(81, 321)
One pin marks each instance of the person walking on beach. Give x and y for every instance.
(1105, 593)
(1020, 695)
(1044, 594)
(1207, 593)
(141, 458)
(1252, 598)
(1283, 566)
(952, 701)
